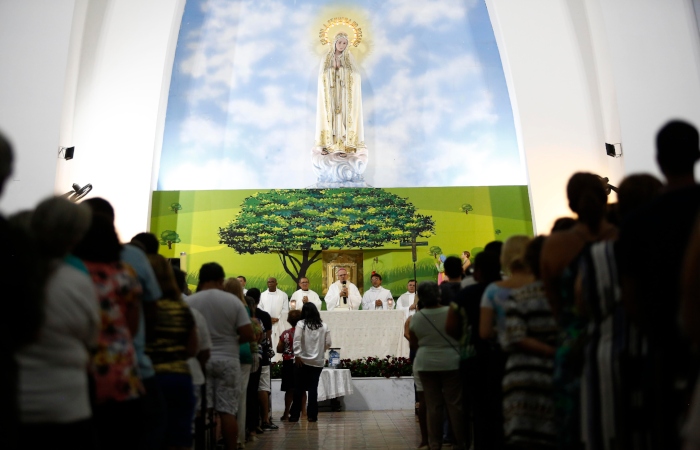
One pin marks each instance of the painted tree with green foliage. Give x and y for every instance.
(175, 207)
(466, 207)
(313, 220)
(169, 237)
(435, 251)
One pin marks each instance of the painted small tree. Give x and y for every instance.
(466, 208)
(169, 237)
(175, 207)
(313, 220)
(435, 251)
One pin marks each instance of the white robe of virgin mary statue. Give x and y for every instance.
(339, 125)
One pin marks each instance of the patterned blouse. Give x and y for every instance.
(287, 338)
(168, 350)
(114, 365)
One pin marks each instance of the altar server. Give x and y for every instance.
(343, 294)
(305, 295)
(274, 302)
(377, 297)
(407, 300)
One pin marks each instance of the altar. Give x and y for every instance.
(360, 334)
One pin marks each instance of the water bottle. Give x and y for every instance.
(334, 358)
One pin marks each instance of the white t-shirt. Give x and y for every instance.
(203, 343)
(313, 298)
(374, 294)
(224, 314)
(310, 345)
(53, 383)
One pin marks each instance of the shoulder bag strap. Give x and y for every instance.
(436, 329)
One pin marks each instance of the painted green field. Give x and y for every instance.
(494, 213)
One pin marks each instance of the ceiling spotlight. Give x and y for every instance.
(78, 192)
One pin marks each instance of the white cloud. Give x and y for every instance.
(479, 110)
(235, 37)
(479, 163)
(210, 174)
(200, 130)
(427, 13)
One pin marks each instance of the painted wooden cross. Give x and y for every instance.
(413, 243)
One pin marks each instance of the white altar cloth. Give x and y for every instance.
(359, 334)
(334, 383)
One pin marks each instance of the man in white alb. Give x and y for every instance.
(407, 300)
(304, 295)
(377, 297)
(343, 294)
(274, 302)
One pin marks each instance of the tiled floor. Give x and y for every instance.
(344, 430)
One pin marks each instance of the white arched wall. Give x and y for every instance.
(584, 72)
(34, 46)
(121, 58)
(655, 54)
(580, 73)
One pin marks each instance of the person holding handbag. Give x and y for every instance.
(311, 340)
(437, 364)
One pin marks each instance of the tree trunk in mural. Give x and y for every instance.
(296, 268)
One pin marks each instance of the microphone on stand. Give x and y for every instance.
(345, 299)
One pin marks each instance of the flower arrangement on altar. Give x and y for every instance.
(389, 366)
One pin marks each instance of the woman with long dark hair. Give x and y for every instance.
(118, 388)
(311, 340)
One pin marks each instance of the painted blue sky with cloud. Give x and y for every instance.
(242, 100)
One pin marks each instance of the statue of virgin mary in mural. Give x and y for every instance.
(339, 156)
(339, 126)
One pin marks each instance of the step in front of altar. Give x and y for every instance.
(369, 394)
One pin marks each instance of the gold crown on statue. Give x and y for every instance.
(357, 31)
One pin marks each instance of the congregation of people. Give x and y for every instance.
(581, 339)
(585, 338)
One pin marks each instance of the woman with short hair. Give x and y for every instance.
(54, 404)
(437, 364)
(285, 346)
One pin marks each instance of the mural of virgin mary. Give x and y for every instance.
(339, 124)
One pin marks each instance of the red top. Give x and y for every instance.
(288, 343)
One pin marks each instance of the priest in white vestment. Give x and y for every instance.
(376, 297)
(274, 302)
(304, 295)
(343, 294)
(406, 301)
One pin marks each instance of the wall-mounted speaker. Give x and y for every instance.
(610, 149)
(613, 150)
(66, 152)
